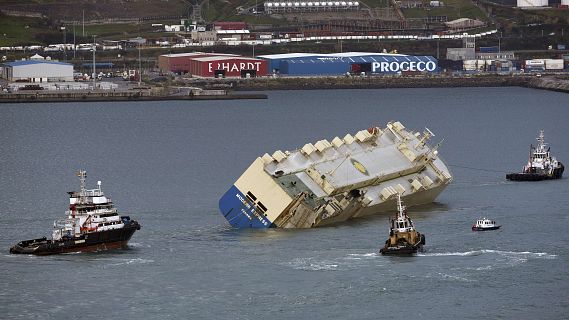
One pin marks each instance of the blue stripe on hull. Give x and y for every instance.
(240, 212)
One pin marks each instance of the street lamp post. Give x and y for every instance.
(139, 66)
(64, 43)
(94, 74)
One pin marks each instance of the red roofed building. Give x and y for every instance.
(229, 25)
(213, 65)
(225, 66)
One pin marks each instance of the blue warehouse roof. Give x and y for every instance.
(337, 65)
(32, 62)
(386, 58)
(98, 65)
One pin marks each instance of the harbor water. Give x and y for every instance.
(166, 164)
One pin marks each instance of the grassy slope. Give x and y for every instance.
(453, 9)
(16, 31)
(20, 30)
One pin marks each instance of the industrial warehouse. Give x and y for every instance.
(295, 64)
(37, 71)
(212, 65)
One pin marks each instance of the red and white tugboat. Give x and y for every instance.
(403, 238)
(92, 224)
(541, 165)
(485, 224)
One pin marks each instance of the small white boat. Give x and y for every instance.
(485, 224)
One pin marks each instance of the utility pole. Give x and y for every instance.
(83, 23)
(64, 43)
(139, 66)
(94, 74)
(74, 46)
(500, 43)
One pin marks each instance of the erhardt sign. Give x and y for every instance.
(234, 66)
(396, 66)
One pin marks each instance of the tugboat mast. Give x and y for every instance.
(400, 207)
(82, 174)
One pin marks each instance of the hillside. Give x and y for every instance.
(25, 22)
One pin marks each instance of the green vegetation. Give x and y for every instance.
(453, 9)
(376, 3)
(118, 31)
(520, 28)
(16, 31)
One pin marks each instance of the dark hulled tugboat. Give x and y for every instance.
(403, 238)
(92, 224)
(541, 165)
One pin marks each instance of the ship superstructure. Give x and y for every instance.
(328, 182)
(541, 165)
(89, 211)
(92, 223)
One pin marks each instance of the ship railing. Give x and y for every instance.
(94, 193)
(96, 211)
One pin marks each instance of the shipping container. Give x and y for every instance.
(535, 65)
(470, 65)
(554, 64)
(493, 49)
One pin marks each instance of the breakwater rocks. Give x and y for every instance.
(553, 83)
(299, 83)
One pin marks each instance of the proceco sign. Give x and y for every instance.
(396, 66)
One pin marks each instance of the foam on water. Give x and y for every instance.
(310, 264)
(130, 261)
(528, 254)
(360, 256)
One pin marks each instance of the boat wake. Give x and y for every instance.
(360, 256)
(521, 254)
(124, 262)
(348, 262)
(311, 264)
(499, 258)
(138, 245)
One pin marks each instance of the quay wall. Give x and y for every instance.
(228, 89)
(38, 96)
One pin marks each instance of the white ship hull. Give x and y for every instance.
(415, 199)
(327, 183)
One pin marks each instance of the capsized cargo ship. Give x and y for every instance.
(330, 182)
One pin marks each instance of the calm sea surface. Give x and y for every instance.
(167, 164)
